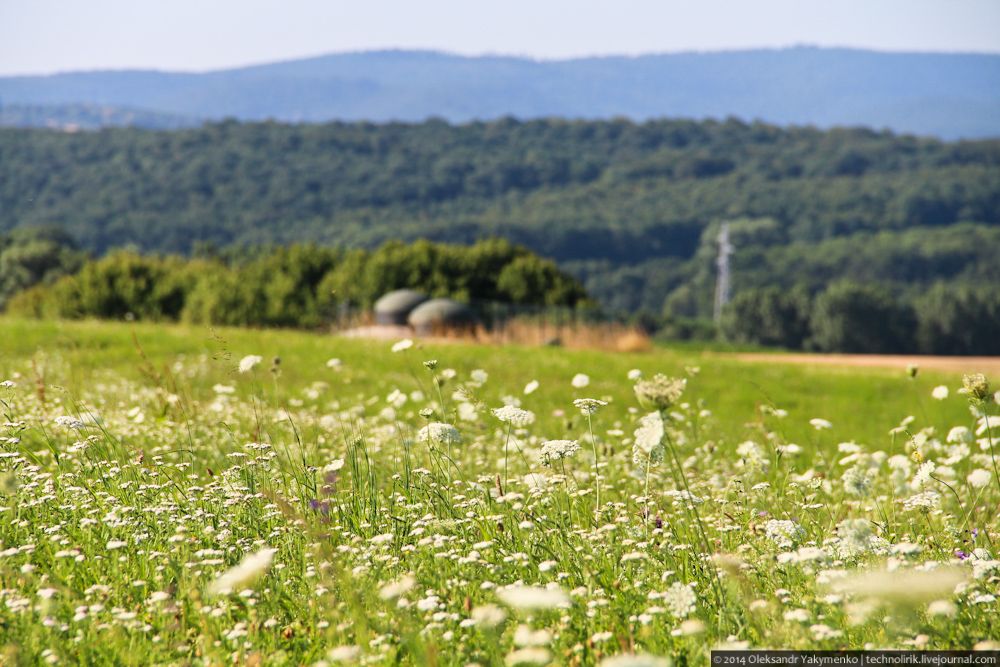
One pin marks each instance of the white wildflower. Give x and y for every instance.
(69, 422)
(679, 600)
(488, 615)
(988, 424)
(333, 466)
(924, 473)
(858, 481)
(467, 412)
(925, 501)
(588, 406)
(249, 570)
(944, 608)
(533, 597)
(249, 362)
(347, 653)
(784, 533)
(906, 587)
(535, 481)
(647, 447)
(979, 478)
(402, 345)
(960, 434)
(440, 433)
(397, 588)
(555, 450)
(528, 656)
(514, 416)
(855, 537)
(659, 392)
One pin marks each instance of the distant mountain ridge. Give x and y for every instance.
(945, 95)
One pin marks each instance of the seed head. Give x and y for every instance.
(659, 392)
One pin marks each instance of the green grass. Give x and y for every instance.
(863, 403)
(114, 527)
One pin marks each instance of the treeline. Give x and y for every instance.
(44, 274)
(36, 256)
(630, 208)
(301, 285)
(849, 317)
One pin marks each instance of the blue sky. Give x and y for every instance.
(40, 36)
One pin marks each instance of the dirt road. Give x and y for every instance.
(988, 365)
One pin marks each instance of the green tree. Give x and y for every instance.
(32, 256)
(959, 320)
(858, 318)
(528, 279)
(769, 316)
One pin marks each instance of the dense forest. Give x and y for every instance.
(633, 209)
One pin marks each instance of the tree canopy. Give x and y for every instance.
(631, 209)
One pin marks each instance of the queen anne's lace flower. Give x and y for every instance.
(440, 433)
(858, 481)
(979, 478)
(679, 600)
(402, 345)
(554, 450)
(589, 406)
(647, 448)
(925, 501)
(514, 416)
(69, 422)
(249, 362)
(249, 569)
(531, 598)
(784, 533)
(855, 537)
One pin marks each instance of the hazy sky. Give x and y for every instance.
(39, 36)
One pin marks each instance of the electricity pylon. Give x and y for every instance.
(722, 263)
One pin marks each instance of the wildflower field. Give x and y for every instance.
(187, 496)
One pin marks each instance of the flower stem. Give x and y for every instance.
(597, 466)
(505, 445)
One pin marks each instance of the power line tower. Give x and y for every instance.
(722, 263)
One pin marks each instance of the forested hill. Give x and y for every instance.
(632, 208)
(949, 95)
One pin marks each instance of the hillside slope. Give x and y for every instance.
(945, 95)
(632, 208)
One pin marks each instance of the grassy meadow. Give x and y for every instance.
(185, 496)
